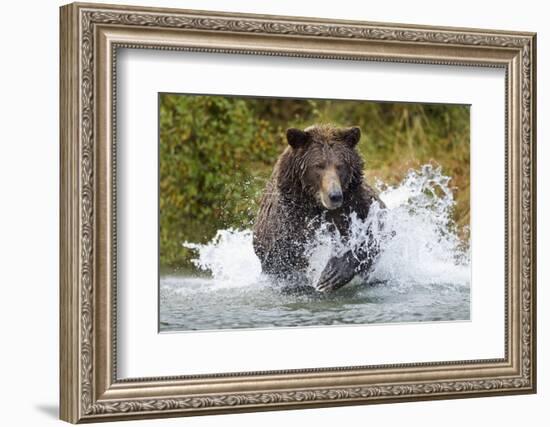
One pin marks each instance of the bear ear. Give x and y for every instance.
(351, 136)
(296, 138)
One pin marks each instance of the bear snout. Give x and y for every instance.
(332, 197)
(331, 189)
(336, 197)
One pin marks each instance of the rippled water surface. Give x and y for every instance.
(422, 274)
(199, 304)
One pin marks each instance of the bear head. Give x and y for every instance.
(321, 165)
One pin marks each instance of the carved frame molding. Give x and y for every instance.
(90, 37)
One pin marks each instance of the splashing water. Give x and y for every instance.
(425, 247)
(422, 272)
(418, 240)
(230, 258)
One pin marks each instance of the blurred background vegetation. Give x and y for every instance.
(216, 153)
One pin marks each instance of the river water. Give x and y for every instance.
(422, 274)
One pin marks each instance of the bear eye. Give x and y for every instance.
(319, 166)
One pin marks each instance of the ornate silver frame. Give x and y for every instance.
(90, 36)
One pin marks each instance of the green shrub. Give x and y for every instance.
(208, 149)
(216, 153)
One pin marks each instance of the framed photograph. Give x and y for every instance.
(267, 212)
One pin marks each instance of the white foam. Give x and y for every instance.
(425, 247)
(417, 237)
(230, 257)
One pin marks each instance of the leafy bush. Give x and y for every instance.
(217, 152)
(211, 151)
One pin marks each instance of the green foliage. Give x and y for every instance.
(211, 149)
(217, 152)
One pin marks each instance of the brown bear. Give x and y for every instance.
(318, 178)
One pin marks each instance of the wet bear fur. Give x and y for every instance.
(318, 178)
